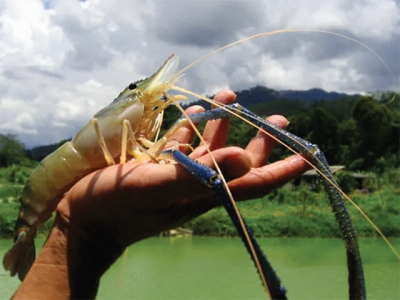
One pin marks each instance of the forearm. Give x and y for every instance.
(69, 266)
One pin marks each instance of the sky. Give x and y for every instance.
(61, 61)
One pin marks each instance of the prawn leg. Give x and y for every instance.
(128, 135)
(316, 158)
(212, 179)
(102, 143)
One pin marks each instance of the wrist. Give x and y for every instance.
(88, 257)
(70, 264)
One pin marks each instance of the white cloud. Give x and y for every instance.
(16, 117)
(63, 60)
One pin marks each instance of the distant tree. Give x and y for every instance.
(11, 150)
(300, 125)
(240, 132)
(40, 152)
(347, 138)
(374, 124)
(324, 133)
(347, 132)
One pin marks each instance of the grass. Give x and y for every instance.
(311, 216)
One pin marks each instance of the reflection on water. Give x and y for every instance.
(220, 268)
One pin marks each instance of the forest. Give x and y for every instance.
(360, 132)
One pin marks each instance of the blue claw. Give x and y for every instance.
(212, 179)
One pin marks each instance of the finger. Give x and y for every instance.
(216, 131)
(184, 135)
(262, 145)
(233, 162)
(260, 181)
(255, 184)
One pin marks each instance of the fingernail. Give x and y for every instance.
(295, 160)
(298, 161)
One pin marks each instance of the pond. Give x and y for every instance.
(220, 268)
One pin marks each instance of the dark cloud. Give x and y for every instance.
(39, 70)
(12, 74)
(206, 23)
(20, 73)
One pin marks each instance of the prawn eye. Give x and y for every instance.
(132, 86)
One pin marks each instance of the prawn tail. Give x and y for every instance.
(20, 257)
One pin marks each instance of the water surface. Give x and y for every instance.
(220, 268)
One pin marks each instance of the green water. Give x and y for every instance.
(220, 268)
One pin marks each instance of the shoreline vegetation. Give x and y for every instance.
(294, 212)
(359, 132)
